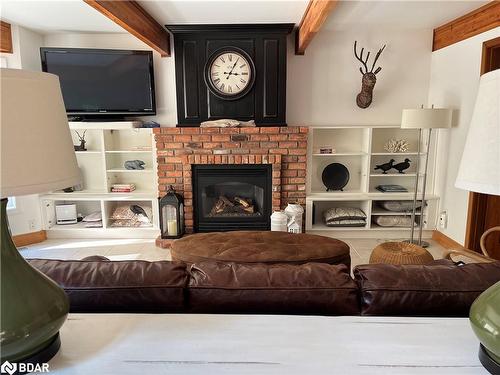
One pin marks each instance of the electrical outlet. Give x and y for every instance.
(31, 224)
(443, 219)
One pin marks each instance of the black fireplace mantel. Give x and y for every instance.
(266, 47)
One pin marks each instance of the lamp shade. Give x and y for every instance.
(480, 166)
(426, 118)
(37, 153)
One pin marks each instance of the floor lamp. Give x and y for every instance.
(37, 156)
(479, 171)
(423, 118)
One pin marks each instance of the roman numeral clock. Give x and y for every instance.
(230, 71)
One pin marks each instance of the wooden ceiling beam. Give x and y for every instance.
(314, 17)
(476, 22)
(133, 18)
(5, 37)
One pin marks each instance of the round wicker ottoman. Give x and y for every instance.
(260, 247)
(400, 253)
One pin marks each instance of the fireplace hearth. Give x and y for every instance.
(232, 197)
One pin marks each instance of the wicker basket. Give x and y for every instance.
(400, 253)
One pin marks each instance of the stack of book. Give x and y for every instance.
(391, 189)
(122, 188)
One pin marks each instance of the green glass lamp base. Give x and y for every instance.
(485, 322)
(488, 361)
(43, 356)
(33, 307)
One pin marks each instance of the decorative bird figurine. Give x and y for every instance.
(402, 166)
(134, 164)
(386, 166)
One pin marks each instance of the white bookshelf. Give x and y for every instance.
(108, 145)
(360, 149)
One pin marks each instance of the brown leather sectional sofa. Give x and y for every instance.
(438, 289)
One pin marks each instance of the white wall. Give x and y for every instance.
(455, 72)
(29, 45)
(25, 44)
(323, 84)
(163, 67)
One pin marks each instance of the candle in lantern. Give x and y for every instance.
(172, 227)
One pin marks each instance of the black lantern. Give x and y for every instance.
(171, 214)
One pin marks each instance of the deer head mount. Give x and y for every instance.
(81, 147)
(364, 98)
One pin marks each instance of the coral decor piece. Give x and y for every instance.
(396, 145)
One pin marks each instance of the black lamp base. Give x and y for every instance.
(488, 362)
(44, 355)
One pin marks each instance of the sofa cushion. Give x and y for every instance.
(311, 288)
(435, 289)
(118, 286)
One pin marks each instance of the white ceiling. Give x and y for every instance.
(405, 14)
(50, 16)
(226, 11)
(76, 16)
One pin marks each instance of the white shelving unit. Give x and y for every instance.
(108, 145)
(360, 149)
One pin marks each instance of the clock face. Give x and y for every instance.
(230, 74)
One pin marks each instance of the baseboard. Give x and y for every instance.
(29, 238)
(445, 241)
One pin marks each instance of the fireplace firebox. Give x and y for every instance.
(232, 197)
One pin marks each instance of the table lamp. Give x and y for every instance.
(479, 171)
(423, 118)
(36, 156)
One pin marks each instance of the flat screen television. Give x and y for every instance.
(103, 82)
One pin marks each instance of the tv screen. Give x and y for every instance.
(103, 81)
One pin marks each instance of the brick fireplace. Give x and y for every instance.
(284, 148)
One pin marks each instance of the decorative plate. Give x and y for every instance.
(335, 176)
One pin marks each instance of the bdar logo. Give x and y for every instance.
(8, 368)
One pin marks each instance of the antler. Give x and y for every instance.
(81, 137)
(375, 60)
(360, 58)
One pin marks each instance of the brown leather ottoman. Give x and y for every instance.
(260, 247)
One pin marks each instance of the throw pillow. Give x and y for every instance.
(343, 213)
(399, 206)
(393, 220)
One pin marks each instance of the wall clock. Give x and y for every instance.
(230, 73)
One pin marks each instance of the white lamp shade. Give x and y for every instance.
(37, 153)
(480, 166)
(426, 118)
